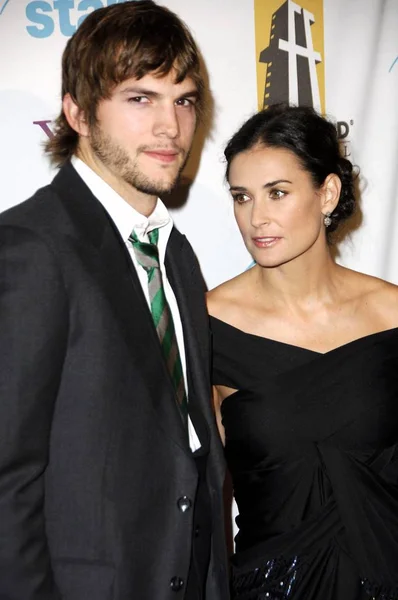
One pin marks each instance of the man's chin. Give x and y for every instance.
(154, 188)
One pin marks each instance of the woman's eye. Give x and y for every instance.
(277, 194)
(240, 198)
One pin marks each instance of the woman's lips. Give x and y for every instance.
(266, 241)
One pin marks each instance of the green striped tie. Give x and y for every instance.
(147, 256)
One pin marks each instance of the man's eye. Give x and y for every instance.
(138, 99)
(185, 102)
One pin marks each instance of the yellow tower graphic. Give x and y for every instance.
(290, 52)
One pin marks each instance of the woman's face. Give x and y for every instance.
(277, 207)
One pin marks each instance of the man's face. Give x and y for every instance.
(144, 132)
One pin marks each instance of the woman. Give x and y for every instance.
(305, 369)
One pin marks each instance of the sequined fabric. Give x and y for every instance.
(275, 580)
(378, 592)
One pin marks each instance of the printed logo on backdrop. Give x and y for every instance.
(290, 57)
(47, 17)
(290, 52)
(3, 4)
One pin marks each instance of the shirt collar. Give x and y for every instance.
(125, 217)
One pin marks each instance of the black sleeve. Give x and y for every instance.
(33, 335)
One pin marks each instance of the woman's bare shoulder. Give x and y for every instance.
(226, 299)
(385, 300)
(379, 297)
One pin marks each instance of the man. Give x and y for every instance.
(110, 465)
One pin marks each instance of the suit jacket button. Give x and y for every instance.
(176, 584)
(184, 503)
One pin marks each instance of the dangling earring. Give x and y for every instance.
(327, 221)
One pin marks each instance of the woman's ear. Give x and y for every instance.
(330, 193)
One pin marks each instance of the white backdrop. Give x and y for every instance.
(361, 86)
(361, 73)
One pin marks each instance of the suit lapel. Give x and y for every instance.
(106, 259)
(188, 286)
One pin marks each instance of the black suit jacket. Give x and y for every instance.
(93, 453)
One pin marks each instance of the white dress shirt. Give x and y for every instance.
(127, 219)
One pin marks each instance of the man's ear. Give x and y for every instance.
(331, 189)
(75, 116)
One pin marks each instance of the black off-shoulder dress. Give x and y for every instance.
(312, 447)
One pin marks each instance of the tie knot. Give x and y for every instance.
(154, 236)
(146, 253)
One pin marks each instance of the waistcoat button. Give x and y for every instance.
(184, 503)
(176, 584)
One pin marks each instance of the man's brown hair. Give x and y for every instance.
(115, 43)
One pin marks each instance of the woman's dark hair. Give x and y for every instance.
(311, 137)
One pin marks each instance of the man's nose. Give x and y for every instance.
(167, 122)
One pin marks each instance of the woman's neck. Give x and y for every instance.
(305, 284)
